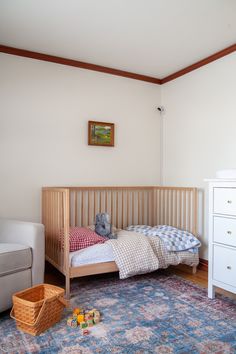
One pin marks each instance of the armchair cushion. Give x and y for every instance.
(27, 234)
(21, 258)
(14, 258)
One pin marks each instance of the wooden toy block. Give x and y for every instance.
(84, 318)
(72, 322)
(90, 323)
(87, 317)
(96, 320)
(76, 311)
(80, 318)
(83, 325)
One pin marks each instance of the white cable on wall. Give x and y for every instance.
(161, 111)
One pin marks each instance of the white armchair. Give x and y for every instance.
(22, 258)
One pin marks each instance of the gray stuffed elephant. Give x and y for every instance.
(103, 226)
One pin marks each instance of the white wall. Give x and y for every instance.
(200, 126)
(45, 108)
(43, 130)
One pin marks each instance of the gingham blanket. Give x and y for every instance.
(137, 254)
(174, 239)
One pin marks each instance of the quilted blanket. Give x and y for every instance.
(136, 253)
(174, 239)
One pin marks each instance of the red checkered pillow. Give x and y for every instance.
(81, 237)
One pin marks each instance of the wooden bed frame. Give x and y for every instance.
(63, 207)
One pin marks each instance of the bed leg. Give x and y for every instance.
(194, 269)
(67, 287)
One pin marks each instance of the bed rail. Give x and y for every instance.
(175, 206)
(126, 205)
(55, 217)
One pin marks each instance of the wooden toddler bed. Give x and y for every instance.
(65, 207)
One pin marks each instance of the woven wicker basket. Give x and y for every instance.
(38, 308)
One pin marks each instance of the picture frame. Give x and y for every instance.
(101, 133)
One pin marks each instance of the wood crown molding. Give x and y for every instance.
(77, 64)
(117, 72)
(198, 64)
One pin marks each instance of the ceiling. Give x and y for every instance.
(148, 37)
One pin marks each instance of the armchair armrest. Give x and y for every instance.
(30, 234)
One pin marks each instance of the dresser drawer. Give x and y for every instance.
(224, 201)
(224, 230)
(224, 260)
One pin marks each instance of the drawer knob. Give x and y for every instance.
(229, 267)
(229, 201)
(229, 232)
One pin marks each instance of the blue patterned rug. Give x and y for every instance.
(153, 313)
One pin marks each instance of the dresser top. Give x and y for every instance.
(220, 179)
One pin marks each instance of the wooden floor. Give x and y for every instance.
(200, 278)
(52, 276)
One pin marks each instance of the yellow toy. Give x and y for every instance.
(80, 318)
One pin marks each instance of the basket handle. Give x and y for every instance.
(61, 299)
(26, 323)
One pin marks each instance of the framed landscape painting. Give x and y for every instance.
(100, 133)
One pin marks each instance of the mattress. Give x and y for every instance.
(100, 253)
(93, 254)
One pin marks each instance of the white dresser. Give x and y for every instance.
(222, 235)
